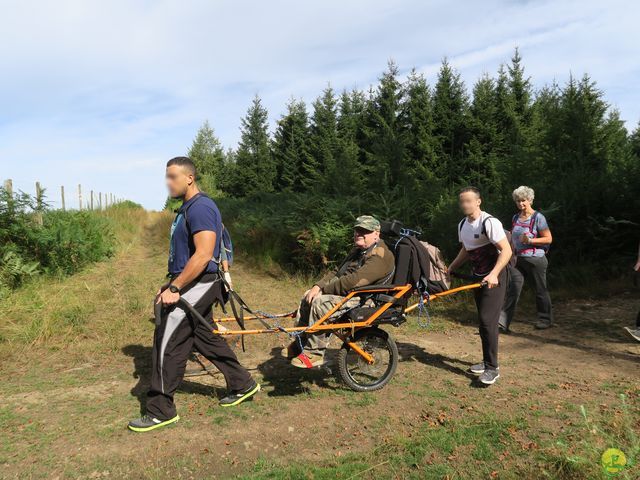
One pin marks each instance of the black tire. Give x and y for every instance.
(358, 374)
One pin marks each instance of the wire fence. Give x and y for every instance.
(75, 198)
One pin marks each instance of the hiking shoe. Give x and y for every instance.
(308, 360)
(292, 351)
(147, 423)
(634, 332)
(237, 397)
(478, 368)
(489, 376)
(542, 325)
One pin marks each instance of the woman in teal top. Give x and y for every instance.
(531, 238)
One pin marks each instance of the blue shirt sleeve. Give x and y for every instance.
(203, 216)
(541, 222)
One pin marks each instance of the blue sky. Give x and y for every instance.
(104, 93)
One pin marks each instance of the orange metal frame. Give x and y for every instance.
(400, 291)
(321, 325)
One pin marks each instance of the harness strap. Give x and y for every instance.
(238, 313)
(531, 224)
(239, 309)
(391, 299)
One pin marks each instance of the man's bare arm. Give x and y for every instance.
(460, 259)
(204, 242)
(504, 257)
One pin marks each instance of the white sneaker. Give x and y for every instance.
(634, 332)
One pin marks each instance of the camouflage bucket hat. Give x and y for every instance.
(368, 223)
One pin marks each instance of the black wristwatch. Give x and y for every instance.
(174, 289)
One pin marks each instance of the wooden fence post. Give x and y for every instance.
(38, 196)
(91, 200)
(79, 197)
(38, 213)
(62, 196)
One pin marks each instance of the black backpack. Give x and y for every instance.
(413, 266)
(412, 260)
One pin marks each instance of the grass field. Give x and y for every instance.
(75, 368)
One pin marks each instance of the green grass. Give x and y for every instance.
(613, 427)
(54, 308)
(474, 448)
(431, 453)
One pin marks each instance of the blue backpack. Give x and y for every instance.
(226, 246)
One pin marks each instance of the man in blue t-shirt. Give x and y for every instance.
(194, 257)
(202, 214)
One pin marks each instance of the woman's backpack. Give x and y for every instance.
(533, 230)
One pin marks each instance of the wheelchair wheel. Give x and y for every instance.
(360, 375)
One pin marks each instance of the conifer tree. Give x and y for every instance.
(450, 110)
(255, 169)
(320, 168)
(208, 156)
(417, 122)
(482, 155)
(290, 147)
(348, 177)
(384, 136)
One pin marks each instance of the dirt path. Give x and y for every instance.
(64, 404)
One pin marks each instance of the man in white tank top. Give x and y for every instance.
(485, 245)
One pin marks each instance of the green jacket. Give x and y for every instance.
(359, 269)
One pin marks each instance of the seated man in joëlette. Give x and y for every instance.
(369, 262)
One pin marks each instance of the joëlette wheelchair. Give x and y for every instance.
(369, 355)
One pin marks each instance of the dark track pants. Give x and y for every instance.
(534, 269)
(174, 340)
(489, 303)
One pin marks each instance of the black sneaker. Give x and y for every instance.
(489, 376)
(146, 423)
(236, 398)
(478, 368)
